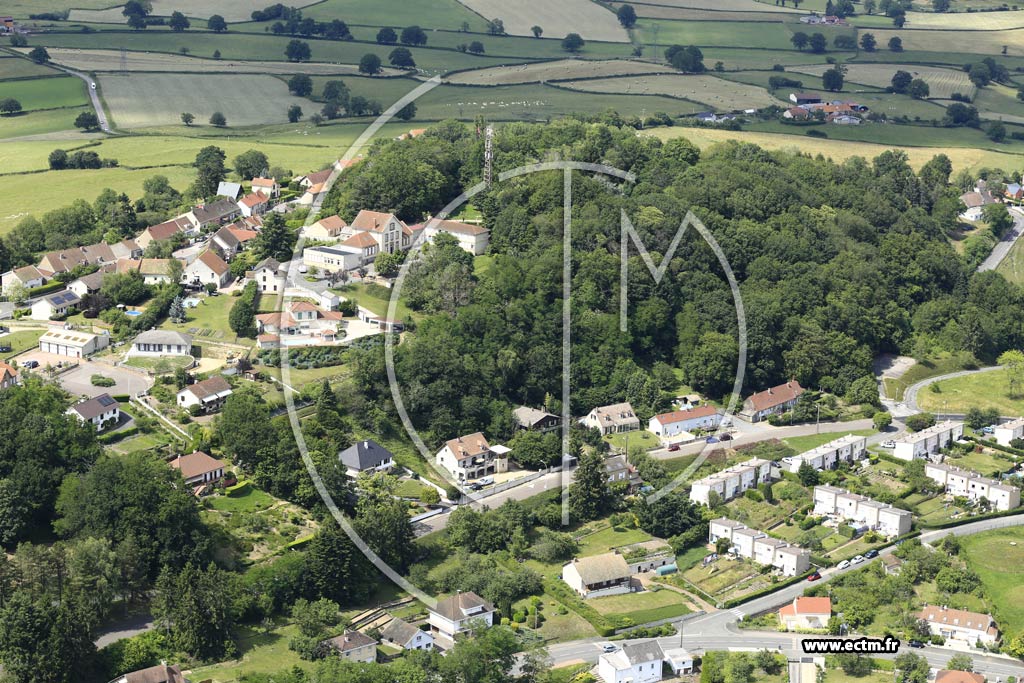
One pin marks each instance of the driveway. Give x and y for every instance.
(77, 382)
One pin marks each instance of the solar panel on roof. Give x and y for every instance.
(106, 400)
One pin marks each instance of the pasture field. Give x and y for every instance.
(110, 60)
(964, 21)
(546, 47)
(984, 43)
(961, 157)
(694, 14)
(587, 18)
(41, 122)
(999, 100)
(385, 91)
(231, 10)
(997, 557)
(436, 14)
(740, 58)
(775, 36)
(714, 92)
(159, 99)
(733, 5)
(14, 67)
(901, 136)
(47, 93)
(1012, 267)
(23, 8)
(563, 69)
(942, 83)
(982, 390)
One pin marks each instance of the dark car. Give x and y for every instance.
(814, 577)
(5, 348)
(726, 437)
(871, 554)
(673, 447)
(475, 486)
(711, 439)
(30, 364)
(915, 643)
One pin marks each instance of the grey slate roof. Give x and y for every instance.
(164, 337)
(365, 455)
(95, 407)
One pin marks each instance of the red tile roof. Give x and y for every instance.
(805, 605)
(681, 415)
(769, 398)
(196, 464)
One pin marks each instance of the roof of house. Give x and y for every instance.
(350, 640)
(26, 273)
(92, 281)
(196, 464)
(453, 226)
(226, 189)
(164, 337)
(631, 654)
(616, 414)
(319, 177)
(215, 210)
(7, 370)
(957, 617)
(332, 224)
(775, 396)
(683, 415)
(806, 605)
(66, 337)
(316, 188)
(469, 446)
(798, 112)
(399, 631)
(94, 407)
(526, 416)
(462, 605)
(365, 455)
(211, 260)
(600, 568)
(241, 234)
(374, 221)
(62, 298)
(360, 240)
(254, 199)
(731, 523)
(162, 673)
(208, 387)
(806, 96)
(164, 231)
(228, 237)
(264, 182)
(155, 266)
(268, 264)
(952, 676)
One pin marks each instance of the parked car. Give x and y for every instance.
(4, 348)
(475, 486)
(871, 554)
(30, 364)
(726, 437)
(915, 643)
(889, 444)
(673, 447)
(711, 439)
(814, 576)
(844, 564)
(486, 481)
(609, 647)
(857, 560)
(988, 430)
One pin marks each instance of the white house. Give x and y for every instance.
(328, 229)
(267, 186)
(1008, 431)
(618, 417)
(254, 204)
(928, 441)
(161, 673)
(390, 233)
(56, 305)
(473, 238)
(401, 634)
(975, 202)
(209, 394)
(8, 375)
(806, 613)
(26, 276)
(72, 343)
(827, 456)
(732, 481)
(341, 257)
(668, 425)
(771, 401)
(101, 411)
(161, 343)
(87, 284)
(471, 457)
(199, 468)
(598, 575)
(973, 486)
(456, 615)
(757, 546)
(366, 456)
(881, 517)
(208, 268)
(632, 663)
(354, 647)
(268, 276)
(958, 624)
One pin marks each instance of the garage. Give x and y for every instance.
(72, 343)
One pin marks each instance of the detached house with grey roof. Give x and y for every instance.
(366, 456)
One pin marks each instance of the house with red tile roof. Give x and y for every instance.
(8, 376)
(300, 324)
(771, 401)
(254, 204)
(208, 268)
(806, 613)
(473, 238)
(959, 624)
(327, 229)
(267, 186)
(668, 425)
(199, 468)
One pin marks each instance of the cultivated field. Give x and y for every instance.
(986, 43)
(563, 69)
(110, 60)
(963, 21)
(744, 34)
(47, 93)
(713, 92)
(159, 99)
(587, 18)
(942, 83)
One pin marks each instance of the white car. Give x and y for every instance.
(857, 560)
(486, 481)
(844, 564)
(889, 444)
(609, 647)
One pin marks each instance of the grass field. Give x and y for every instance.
(983, 463)
(15, 67)
(259, 653)
(695, 14)
(231, 10)
(436, 14)
(981, 390)
(140, 101)
(806, 443)
(986, 43)
(733, 5)
(42, 123)
(772, 36)
(640, 437)
(589, 19)
(47, 93)
(714, 92)
(20, 341)
(964, 21)
(942, 83)
(997, 557)
(1012, 266)
(642, 607)
(563, 69)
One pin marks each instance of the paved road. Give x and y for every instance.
(910, 395)
(1004, 245)
(133, 625)
(93, 95)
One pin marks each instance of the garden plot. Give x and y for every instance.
(942, 83)
(584, 17)
(563, 69)
(713, 92)
(159, 99)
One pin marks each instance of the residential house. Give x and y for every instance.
(458, 614)
(723, 528)
(226, 241)
(161, 343)
(680, 661)
(632, 663)
(300, 324)
(613, 419)
(8, 375)
(161, 673)
(267, 186)
(839, 503)
(681, 422)
(162, 232)
(213, 214)
(243, 232)
(72, 343)
(598, 575)
(199, 468)
(385, 324)
(128, 248)
(806, 613)
(327, 229)
(26, 276)
(1014, 191)
(757, 546)
(951, 676)
(366, 456)
(229, 190)
(799, 98)
(1008, 431)
(843, 119)
(155, 271)
(354, 646)
(56, 305)
(66, 260)
(828, 456)
(312, 179)
(973, 486)
(732, 481)
(209, 394)
(618, 470)
(534, 419)
(472, 238)
(101, 411)
(958, 624)
(796, 113)
(254, 204)
(928, 441)
(976, 201)
(401, 634)
(818, 20)
(208, 268)
(355, 252)
(87, 284)
(471, 457)
(268, 276)
(892, 564)
(390, 233)
(771, 401)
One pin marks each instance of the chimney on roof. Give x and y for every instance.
(366, 444)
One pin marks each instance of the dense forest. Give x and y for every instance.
(837, 263)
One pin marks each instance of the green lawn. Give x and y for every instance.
(172, 362)
(642, 607)
(608, 538)
(142, 442)
(47, 93)
(980, 390)
(259, 653)
(983, 463)
(249, 500)
(806, 443)
(39, 122)
(997, 556)
(639, 437)
(20, 341)
(209, 320)
(374, 298)
(931, 367)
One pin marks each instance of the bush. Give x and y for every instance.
(101, 381)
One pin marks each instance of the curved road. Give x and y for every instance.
(910, 395)
(1002, 248)
(94, 96)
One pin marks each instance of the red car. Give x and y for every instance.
(673, 447)
(814, 577)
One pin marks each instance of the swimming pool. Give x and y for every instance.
(133, 313)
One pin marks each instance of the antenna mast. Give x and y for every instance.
(488, 154)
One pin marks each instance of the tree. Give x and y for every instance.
(294, 113)
(918, 89)
(800, 40)
(275, 239)
(999, 220)
(210, 170)
(298, 51)
(58, 159)
(980, 75)
(137, 22)
(300, 85)
(382, 520)
(251, 164)
(868, 43)
(589, 495)
(242, 317)
(195, 607)
(407, 112)
(388, 265)
(476, 47)
(218, 119)
(689, 59)
(996, 131)
(833, 79)
(178, 22)
(387, 36)
(807, 474)
(496, 27)
(369, 64)
(1013, 361)
(863, 390)
(537, 31)
(960, 662)
(9, 105)
(39, 55)
(87, 120)
(573, 42)
(336, 569)
(896, 44)
(216, 23)
(626, 15)
(187, 118)
(42, 641)
(337, 92)
(940, 5)
(401, 57)
(413, 35)
(919, 421)
(881, 420)
(817, 43)
(177, 310)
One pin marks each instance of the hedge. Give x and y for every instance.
(729, 604)
(238, 489)
(570, 600)
(46, 289)
(117, 436)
